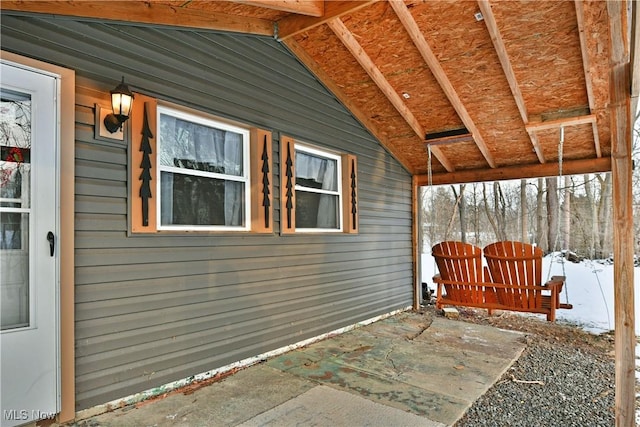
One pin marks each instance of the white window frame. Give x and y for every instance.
(210, 121)
(329, 155)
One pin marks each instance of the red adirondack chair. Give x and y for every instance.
(516, 270)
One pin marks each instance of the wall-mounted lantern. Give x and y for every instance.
(121, 102)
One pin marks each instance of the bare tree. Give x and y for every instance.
(524, 214)
(593, 223)
(604, 215)
(462, 211)
(566, 213)
(552, 213)
(541, 230)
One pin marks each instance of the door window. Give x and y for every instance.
(15, 172)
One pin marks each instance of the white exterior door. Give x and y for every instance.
(28, 245)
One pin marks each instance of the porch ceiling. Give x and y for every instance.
(491, 86)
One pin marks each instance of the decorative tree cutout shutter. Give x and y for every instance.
(261, 181)
(350, 207)
(142, 151)
(287, 185)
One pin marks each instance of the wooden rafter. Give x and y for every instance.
(364, 118)
(292, 25)
(436, 69)
(505, 61)
(349, 41)
(503, 56)
(145, 12)
(555, 124)
(306, 7)
(587, 71)
(569, 167)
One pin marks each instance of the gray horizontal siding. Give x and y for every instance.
(154, 309)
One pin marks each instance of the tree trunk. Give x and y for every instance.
(487, 211)
(460, 204)
(541, 231)
(452, 218)
(566, 214)
(524, 212)
(604, 215)
(500, 211)
(552, 213)
(476, 216)
(462, 211)
(593, 217)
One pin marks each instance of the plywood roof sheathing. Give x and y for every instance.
(503, 56)
(347, 38)
(423, 47)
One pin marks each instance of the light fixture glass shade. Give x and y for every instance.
(121, 101)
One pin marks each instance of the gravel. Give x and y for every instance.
(564, 377)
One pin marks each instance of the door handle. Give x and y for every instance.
(52, 242)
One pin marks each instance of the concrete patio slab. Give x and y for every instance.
(408, 369)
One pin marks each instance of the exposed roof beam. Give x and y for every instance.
(554, 124)
(145, 12)
(587, 70)
(349, 41)
(436, 69)
(569, 167)
(292, 25)
(306, 7)
(364, 118)
(505, 61)
(503, 56)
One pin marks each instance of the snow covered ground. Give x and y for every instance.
(589, 287)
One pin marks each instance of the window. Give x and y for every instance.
(318, 189)
(318, 196)
(190, 171)
(203, 168)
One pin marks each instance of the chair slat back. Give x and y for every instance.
(460, 263)
(516, 263)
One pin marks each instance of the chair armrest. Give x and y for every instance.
(555, 283)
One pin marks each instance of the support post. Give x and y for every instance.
(415, 242)
(620, 87)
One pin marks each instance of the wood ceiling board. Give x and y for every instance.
(464, 155)
(357, 112)
(542, 40)
(416, 153)
(321, 44)
(578, 143)
(383, 38)
(466, 53)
